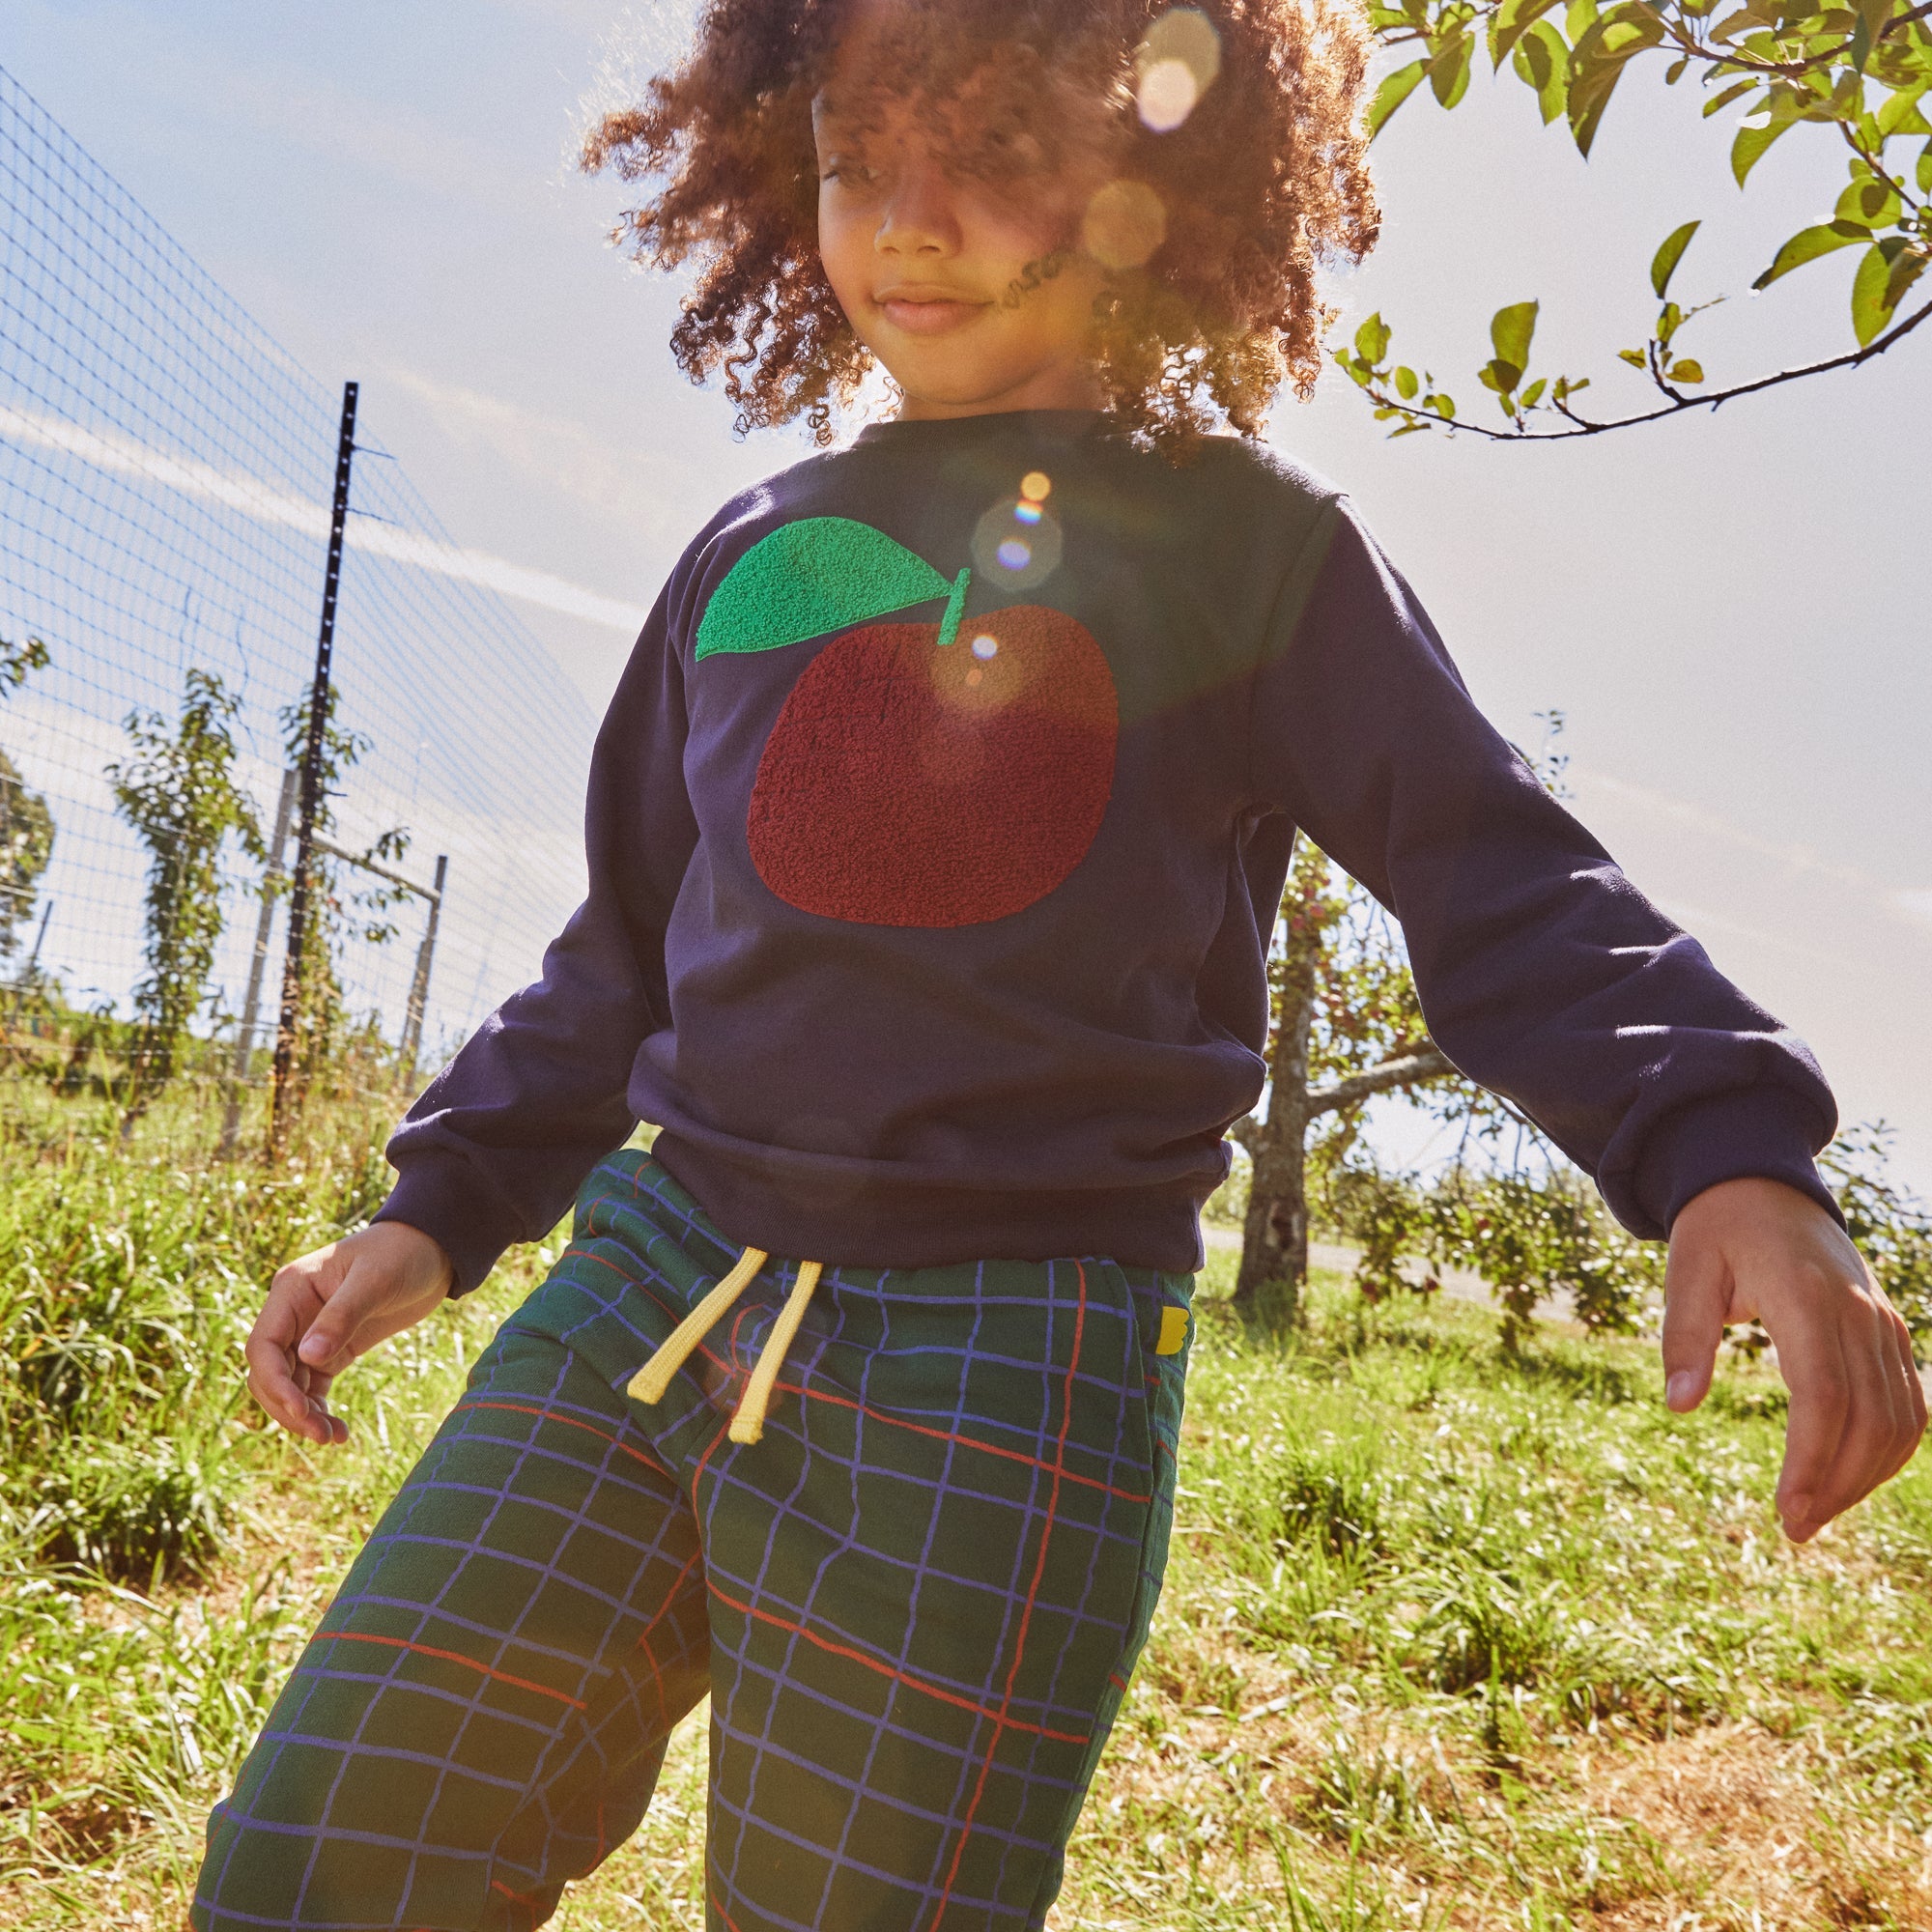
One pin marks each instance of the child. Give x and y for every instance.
(936, 834)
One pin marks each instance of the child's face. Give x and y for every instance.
(928, 269)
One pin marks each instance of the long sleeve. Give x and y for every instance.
(495, 1149)
(1543, 972)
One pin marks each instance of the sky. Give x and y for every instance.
(1729, 609)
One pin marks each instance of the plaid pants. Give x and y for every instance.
(915, 1604)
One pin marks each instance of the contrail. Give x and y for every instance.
(125, 457)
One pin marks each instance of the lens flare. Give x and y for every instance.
(1006, 557)
(1125, 224)
(1173, 66)
(985, 647)
(1035, 486)
(1166, 94)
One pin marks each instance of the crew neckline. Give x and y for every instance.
(1050, 424)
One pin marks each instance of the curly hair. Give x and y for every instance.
(1217, 306)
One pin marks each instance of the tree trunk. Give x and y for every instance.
(1274, 1241)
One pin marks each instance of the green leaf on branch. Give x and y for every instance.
(1395, 89)
(1580, 17)
(1749, 149)
(1870, 204)
(1511, 21)
(1808, 244)
(1663, 264)
(1406, 384)
(1668, 323)
(1728, 95)
(1542, 59)
(1902, 115)
(1500, 377)
(1685, 371)
(1633, 356)
(1511, 330)
(1449, 70)
(1594, 75)
(1906, 269)
(1872, 304)
(1533, 395)
(1872, 15)
(1371, 340)
(1925, 175)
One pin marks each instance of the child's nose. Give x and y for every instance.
(919, 216)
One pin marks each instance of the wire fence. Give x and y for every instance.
(166, 471)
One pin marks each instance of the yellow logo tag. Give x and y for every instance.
(1173, 1331)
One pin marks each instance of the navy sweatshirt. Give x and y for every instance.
(936, 833)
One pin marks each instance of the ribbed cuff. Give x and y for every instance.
(1765, 1132)
(453, 1207)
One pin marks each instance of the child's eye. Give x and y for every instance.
(856, 174)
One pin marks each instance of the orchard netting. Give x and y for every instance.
(166, 472)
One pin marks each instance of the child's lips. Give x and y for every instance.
(922, 314)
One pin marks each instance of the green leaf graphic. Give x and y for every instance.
(818, 574)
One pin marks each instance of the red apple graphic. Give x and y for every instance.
(919, 775)
(908, 782)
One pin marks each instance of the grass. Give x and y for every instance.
(1451, 1639)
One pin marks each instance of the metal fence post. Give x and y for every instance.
(413, 1024)
(251, 1006)
(285, 1097)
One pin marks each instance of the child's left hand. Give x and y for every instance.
(1759, 1249)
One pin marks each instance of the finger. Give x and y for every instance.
(1696, 1298)
(1922, 1411)
(282, 1397)
(273, 1375)
(1811, 1356)
(1906, 1367)
(277, 1375)
(334, 1338)
(1874, 1414)
(1909, 1401)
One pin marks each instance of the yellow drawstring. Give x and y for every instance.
(650, 1381)
(747, 1425)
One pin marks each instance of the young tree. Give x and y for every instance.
(179, 793)
(26, 825)
(322, 1029)
(1856, 75)
(1344, 1024)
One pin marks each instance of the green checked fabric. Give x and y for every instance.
(915, 1604)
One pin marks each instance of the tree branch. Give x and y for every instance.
(1409, 1070)
(1851, 359)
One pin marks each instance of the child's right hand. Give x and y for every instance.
(330, 1307)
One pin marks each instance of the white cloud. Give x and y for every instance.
(1915, 907)
(266, 503)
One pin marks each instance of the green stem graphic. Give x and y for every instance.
(955, 608)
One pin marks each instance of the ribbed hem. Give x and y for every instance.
(1149, 1227)
(455, 1208)
(1765, 1132)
